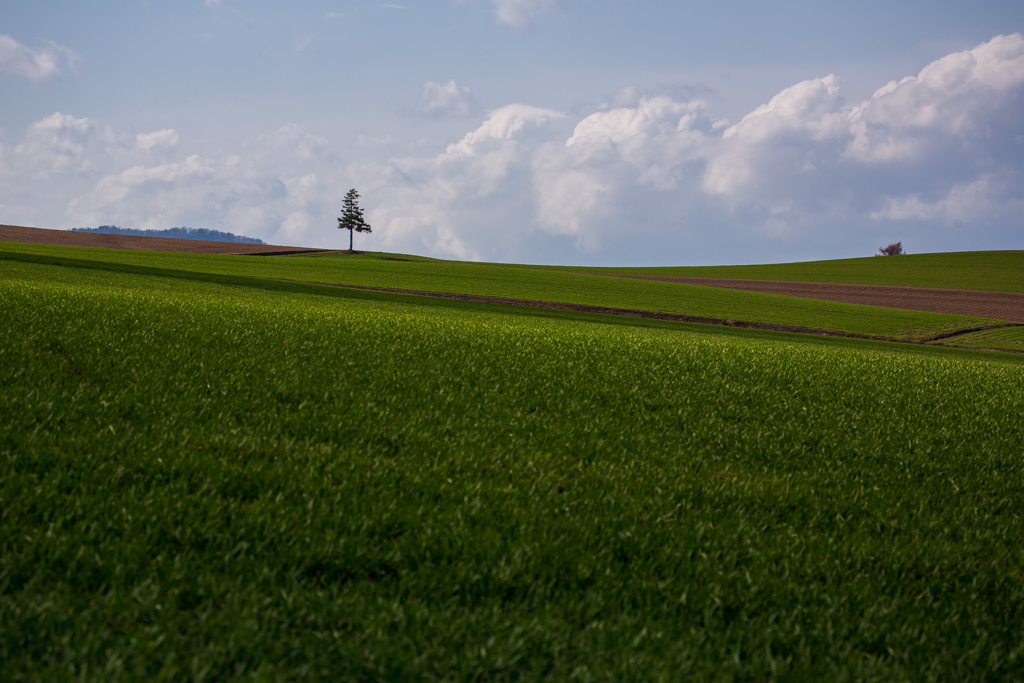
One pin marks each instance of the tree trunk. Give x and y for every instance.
(350, 231)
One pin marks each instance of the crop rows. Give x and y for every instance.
(1009, 338)
(220, 482)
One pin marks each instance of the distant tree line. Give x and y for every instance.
(181, 233)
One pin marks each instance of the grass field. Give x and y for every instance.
(543, 284)
(214, 480)
(1009, 338)
(987, 271)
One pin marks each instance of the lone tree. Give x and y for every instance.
(352, 216)
(894, 249)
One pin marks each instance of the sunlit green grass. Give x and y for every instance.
(218, 481)
(1010, 338)
(991, 271)
(551, 285)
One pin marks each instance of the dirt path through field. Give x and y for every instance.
(999, 305)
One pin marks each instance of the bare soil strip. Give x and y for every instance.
(16, 233)
(998, 305)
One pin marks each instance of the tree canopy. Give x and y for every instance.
(894, 249)
(352, 216)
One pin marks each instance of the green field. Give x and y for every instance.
(543, 284)
(208, 475)
(987, 271)
(1009, 338)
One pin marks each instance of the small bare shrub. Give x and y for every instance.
(894, 249)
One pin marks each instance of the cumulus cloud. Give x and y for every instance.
(792, 133)
(440, 100)
(70, 171)
(502, 129)
(656, 137)
(457, 202)
(62, 145)
(648, 178)
(36, 65)
(964, 100)
(267, 190)
(57, 144)
(521, 13)
(984, 198)
(61, 156)
(161, 139)
(944, 146)
(611, 157)
(208, 192)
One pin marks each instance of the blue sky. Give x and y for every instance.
(604, 132)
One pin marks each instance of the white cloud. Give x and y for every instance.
(36, 65)
(793, 134)
(161, 139)
(454, 204)
(445, 99)
(647, 178)
(196, 191)
(268, 191)
(616, 157)
(71, 57)
(923, 148)
(62, 156)
(57, 144)
(60, 145)
(569, 196)
(806, 166)
(958, 100)
(987, 198)
(504, 124)
(656, 137)
(521, 13)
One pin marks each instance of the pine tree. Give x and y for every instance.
(352, 216)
